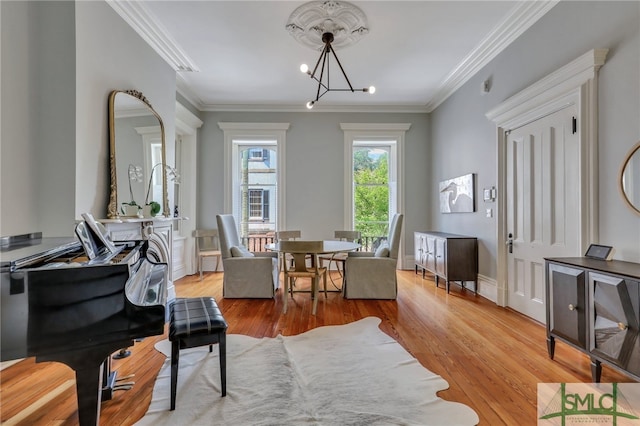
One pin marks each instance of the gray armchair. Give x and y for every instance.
(246, 274)
(373, 275)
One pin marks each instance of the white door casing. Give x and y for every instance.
(187, 125)
(542, 195)
(574, 83)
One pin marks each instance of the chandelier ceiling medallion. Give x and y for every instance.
(325, 26)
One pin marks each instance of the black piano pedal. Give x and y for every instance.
(122, 353)
(130, 376)
(122, 388)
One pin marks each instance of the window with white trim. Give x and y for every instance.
(374, 183)
(254, 177)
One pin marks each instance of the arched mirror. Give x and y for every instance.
(630, 178)
(137, 157)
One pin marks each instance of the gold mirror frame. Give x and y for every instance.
(113, 211)
(632, 169)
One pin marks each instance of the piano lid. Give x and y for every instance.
(19, 250)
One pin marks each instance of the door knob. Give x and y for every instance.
(510, 242)
(622, 326)
(571, 307)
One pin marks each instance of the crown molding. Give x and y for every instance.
(186, 122)
(136, 14)
(410, 109)
(516, 22)
(184, 89)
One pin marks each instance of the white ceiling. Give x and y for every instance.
(416, 52)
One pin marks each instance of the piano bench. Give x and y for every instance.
(196, 322)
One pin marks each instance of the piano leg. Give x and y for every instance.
(87, 364)
(88, 385)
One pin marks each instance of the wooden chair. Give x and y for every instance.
(207, 245)
(340, 258)
(299, 251)
(287, 236)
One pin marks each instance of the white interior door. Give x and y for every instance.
(543, 204)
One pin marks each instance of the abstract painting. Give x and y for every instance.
(457, 194)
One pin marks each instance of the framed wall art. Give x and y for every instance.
(457, 194)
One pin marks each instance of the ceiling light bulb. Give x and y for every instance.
(304, 68)
(372, 89)
(310, 104)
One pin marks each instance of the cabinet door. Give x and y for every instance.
(614, 320)
(418, 248)
(567, 308)
(430, 253)
(441, 257)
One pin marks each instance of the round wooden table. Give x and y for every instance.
(328, 246)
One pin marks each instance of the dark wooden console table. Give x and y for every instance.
(594, 306)
(448, 256)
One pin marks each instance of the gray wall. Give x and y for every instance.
(38, 117)
(569, 30)
(60, 60)
(112, 56)
(314, 168)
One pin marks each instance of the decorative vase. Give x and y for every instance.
(146, 211)
(130, 210)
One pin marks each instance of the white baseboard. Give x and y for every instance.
(488, 288)
(179, 272)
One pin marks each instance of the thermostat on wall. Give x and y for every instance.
(596, 251)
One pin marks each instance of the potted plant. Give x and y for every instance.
(132, 208)
(151, 207)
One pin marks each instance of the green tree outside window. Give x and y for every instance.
(371, 191)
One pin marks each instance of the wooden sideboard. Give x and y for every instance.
(448, 256)
(594, 306)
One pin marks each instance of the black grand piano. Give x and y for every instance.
(61, 303)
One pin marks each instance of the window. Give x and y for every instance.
(152, 153)
(374, 189)
(259, 204)
(254, 178)
(259, 154)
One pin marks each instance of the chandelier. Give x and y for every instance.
(324, 80)
(332, 23)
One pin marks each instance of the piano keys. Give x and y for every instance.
(59, 305)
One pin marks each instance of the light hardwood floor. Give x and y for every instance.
(491, 357)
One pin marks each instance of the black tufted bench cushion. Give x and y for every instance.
(196, 322)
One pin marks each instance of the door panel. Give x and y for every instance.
(430, 253)
(542, 206)
(441, 247)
